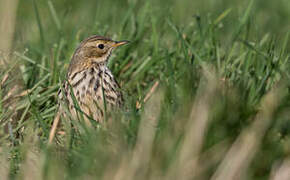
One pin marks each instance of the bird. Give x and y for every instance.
(90, 82)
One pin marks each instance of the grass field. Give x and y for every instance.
(206, 83)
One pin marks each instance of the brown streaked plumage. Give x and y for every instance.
(90, 80)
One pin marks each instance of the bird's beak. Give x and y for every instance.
(120, 43)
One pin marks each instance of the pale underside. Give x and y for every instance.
(92, 88)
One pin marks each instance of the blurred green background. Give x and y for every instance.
(215, 63)
(109, 17)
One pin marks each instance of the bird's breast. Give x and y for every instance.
(97, 85)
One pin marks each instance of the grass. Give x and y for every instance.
(214, 76)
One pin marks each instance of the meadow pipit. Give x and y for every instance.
(90, 81)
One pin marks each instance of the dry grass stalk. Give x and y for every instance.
(282, 172)
(148, 95)
(33, 165)
(4, 79)
(4, 166)
(187, 162)
(235, 164)
(209, 158)
(8, 10)
(135, 165)
(53, 128)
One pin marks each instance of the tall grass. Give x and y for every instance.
(206, 85)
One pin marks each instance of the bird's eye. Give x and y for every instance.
(101, 46)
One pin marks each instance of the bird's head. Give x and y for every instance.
(93, 50)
